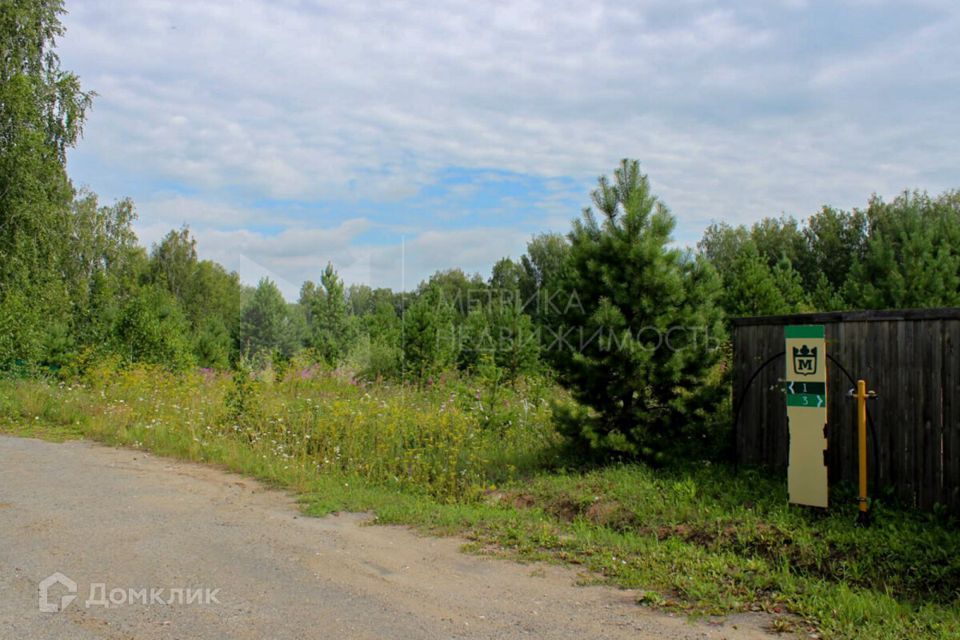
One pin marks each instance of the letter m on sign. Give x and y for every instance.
(805, 360)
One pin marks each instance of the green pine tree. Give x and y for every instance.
(328, 326)
(266, 325)
(430, 341)
(640, 340)
(912, 254)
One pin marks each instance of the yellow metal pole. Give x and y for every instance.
(862, 438)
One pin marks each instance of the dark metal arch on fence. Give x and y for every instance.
(911, 357)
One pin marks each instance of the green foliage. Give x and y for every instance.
(209, 295)
(751, 288)
(646, 325)
(267, 324)
(789, 283)
(430, 341)
(54, 100)
(835, 240)
(22, 328)
(152, 329)
(102, 268)
(326, 316)
(363, 300)
(507, 276)
(503, 335)
(212, 343)
(722, 244)
(911, 256)
(901, 254)
(376, 353)
(476, 339)
(244, 398)
(174, 262)
(754, 283)
(456, 290)
(781, 237)
(375, 358)
(544, 266)
(41, 114)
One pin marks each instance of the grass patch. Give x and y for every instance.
(446, 459)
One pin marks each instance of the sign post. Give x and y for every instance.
(806, 386)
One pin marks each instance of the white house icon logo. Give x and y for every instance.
(58, 578)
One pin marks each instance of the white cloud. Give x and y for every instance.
(894, 62)
(242, 101)
(295, 100)
(401, 257)
(400, 262)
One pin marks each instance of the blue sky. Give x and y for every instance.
(289, 133)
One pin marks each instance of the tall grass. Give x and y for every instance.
(451, 441)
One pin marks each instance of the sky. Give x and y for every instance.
(395, 138)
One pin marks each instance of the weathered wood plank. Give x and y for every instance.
(932, 417)
(951, 412)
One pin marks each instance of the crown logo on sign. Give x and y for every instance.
(804, 360)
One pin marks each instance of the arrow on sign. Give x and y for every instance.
(819, 401)
(790, 388)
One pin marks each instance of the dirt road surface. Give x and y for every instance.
(145, 527)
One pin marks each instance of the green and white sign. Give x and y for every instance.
(806, 387)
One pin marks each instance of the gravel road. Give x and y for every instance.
(161, 536)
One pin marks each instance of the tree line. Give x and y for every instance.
(899, 254)
(75, 285)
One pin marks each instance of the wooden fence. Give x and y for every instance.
(911, 358)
